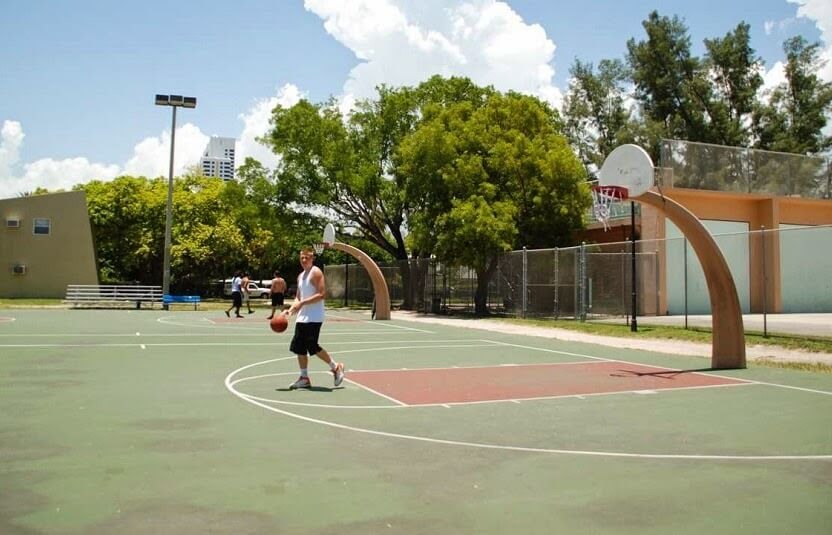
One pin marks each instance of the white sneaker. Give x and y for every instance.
(338, 372)
(302, 382)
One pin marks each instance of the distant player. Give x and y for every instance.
(278, 291)
(246, 294)
(309, 306)
(236, 295)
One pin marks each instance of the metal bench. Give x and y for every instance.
(184, 299)
(112, 295)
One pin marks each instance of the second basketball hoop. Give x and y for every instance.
(602, 199)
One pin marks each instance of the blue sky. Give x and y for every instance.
(77, 79)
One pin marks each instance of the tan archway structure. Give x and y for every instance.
(728, 349)
(382, 294)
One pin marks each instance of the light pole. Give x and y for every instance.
(174, 101)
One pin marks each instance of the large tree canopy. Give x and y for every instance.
(218, 227)
(796, 113)
(486, 178)
(343, 166)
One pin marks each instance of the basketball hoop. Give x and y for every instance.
(602, 199)
(319, 247)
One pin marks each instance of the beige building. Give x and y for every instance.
(45, 244)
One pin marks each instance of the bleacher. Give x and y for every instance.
(112, 295)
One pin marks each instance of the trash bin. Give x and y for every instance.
(436, 305)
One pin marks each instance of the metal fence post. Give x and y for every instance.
(556, 268)
(582, 279)
(524, 283)
(346, 283)
(685, 271)
(765, 285)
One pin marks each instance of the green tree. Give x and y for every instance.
(342, 167)
(127, 220)
(796, 113)
(595, 117)
(734, 69)
(664, 73)
(217, 228)
(487, 178)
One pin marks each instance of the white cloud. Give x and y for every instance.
(256, 121)
(768, 26)
(64, 174)
(819, 11)
(772, 78)
(47, 172)
(151, 156)
(11, 139)
(404, 42)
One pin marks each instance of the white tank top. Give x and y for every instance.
(312, 313)
(235, 284)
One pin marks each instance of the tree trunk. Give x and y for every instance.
(481, 294)
(407, 282)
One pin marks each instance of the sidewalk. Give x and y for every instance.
(818, 323)
(795, 324)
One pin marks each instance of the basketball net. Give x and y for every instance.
(319, 247)
(602, 199)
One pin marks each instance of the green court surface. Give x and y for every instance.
(181, 422)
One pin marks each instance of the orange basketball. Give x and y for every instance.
(279, 323)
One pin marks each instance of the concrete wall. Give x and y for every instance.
(756, 211)
(806, 268)
(65, 256)
(732, 238)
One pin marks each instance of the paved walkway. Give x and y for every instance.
(790, 323)
(797, 324)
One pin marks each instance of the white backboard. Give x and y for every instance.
(629, 166)
(329, 234)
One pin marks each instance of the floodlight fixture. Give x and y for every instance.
(174, 101)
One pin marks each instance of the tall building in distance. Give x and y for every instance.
(218, 158)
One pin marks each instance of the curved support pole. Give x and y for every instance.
(382, 294)
(726, 315)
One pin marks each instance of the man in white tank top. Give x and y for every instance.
(309, 307)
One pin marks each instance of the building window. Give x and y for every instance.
(42, 226)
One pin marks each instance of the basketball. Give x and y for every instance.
(279, 323)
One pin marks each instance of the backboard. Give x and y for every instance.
(329, 234)
(629, 166)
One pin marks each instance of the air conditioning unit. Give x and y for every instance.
(19, 269)
(12, 222)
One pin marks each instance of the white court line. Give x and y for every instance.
(316, 405)
(521, 448)
(281, 342)
(665, 368)
(793, 387)
(137, 344)
(457, 367)
(595, 453)
(372, 391)
(449, 404)
(378, 323)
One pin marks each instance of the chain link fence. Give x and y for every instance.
(783, 270)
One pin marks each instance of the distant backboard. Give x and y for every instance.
(329, 234)
(629, 166)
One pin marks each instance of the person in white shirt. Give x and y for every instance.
(236, 296)
(309, 307)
